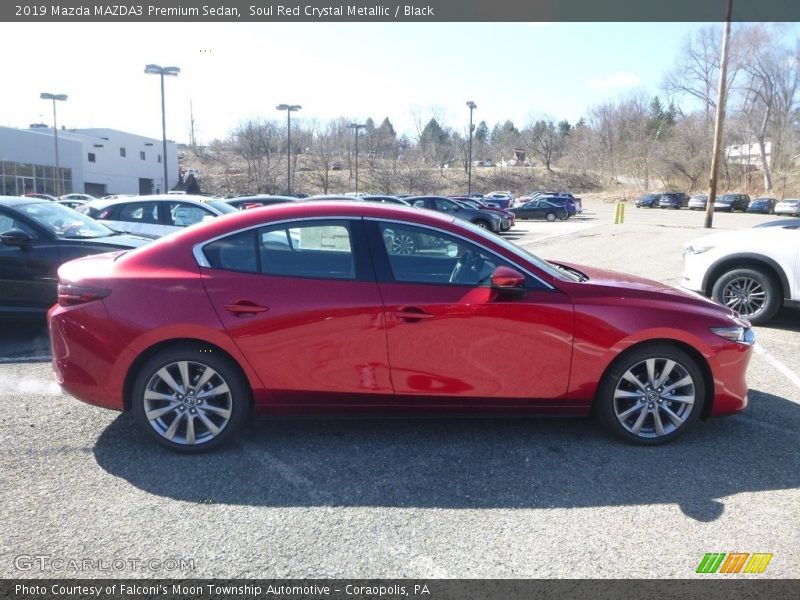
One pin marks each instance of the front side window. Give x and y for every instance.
(421, 255)
(183, 214)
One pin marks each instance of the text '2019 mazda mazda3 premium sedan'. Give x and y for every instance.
(308, 308)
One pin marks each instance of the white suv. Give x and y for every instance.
(754, 271)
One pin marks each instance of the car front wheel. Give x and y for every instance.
(190, 399)
(752, 293)
(651, 395)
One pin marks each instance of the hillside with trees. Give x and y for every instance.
(639, 141)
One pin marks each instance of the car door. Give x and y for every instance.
(455, 340)
(530, 210)
(28, 271)
(138, 218)
(301, 302)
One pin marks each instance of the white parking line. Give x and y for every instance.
(786, 371)
(23, 359)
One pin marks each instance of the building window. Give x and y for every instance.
(122, 152)
(91, 157)
(141, 155)
(159, 159)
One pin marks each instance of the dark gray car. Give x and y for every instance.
(481, 218)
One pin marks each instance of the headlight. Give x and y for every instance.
(696, 249)
(741, 335)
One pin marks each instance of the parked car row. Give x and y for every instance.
(266, 289)
(726, 202)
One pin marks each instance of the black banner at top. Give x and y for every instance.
(387, 11)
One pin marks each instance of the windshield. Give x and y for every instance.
(64, 222)
(550, 269)
(222, 207)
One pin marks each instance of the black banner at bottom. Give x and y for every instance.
(396, 589)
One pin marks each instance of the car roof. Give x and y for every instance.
(259, 197)
(20, 200)
(191, 199)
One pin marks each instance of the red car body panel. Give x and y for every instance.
(342, 345)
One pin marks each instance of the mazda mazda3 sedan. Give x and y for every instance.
(314, 308)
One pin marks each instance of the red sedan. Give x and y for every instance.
(310, 308)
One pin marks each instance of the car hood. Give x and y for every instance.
(606, 283)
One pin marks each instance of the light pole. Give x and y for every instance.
(356, 127)
(54, 97)
(289, 108)
(169, 72)
(472, 106)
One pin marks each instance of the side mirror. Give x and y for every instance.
(15, 237)
(508, 282)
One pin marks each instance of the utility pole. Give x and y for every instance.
(719, 119)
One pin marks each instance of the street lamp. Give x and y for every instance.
(169, 72)
(472, 106)
(356, 127)
(289, 108)
(54, 97)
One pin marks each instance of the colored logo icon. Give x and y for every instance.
(734, 562)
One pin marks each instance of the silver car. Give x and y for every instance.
(790, 206)
(157, 215)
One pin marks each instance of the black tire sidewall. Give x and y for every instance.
(603, 406)
(239, 389)
(771, 287)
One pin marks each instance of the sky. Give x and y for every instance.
(233, 72)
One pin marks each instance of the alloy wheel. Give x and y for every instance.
(654, 398)
(402, 244)
(745, 295)
(187, 402)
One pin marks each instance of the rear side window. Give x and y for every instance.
(135, 212)
(320, 250)
(234, 253)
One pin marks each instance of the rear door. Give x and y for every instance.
(301, 302)
(139, 218)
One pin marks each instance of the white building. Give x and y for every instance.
(748, 155)
(91, 161)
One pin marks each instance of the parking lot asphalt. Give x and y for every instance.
(415, 498)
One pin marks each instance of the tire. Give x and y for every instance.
(550, 217)
(214, 418)
(483, 224)
(753, 293)
(666, 402)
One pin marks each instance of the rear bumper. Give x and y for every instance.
(81, 338)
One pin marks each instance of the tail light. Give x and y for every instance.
(72, 295)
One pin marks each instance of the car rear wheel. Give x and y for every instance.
(190, 399)
(651, 395)
(550, 217)
(751, 292)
